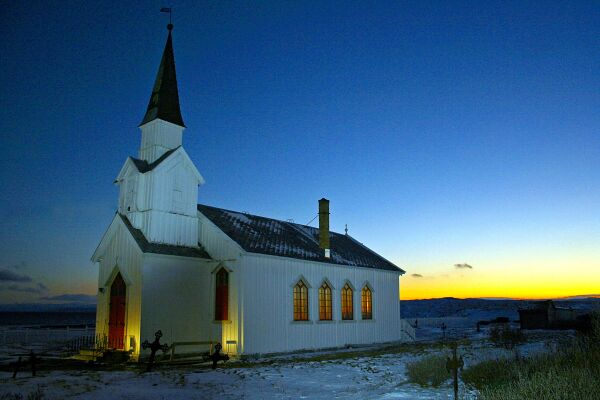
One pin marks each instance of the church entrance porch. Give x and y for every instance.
(116, 320)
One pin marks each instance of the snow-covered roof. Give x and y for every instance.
(263, 235)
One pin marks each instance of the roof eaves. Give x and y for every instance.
(328, 261)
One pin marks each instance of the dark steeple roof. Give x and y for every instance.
(164, 102)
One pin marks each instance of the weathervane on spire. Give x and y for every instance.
(170, 11)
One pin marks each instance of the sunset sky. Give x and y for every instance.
(460, 140)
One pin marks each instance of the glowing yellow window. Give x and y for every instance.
(325, 302)
(367, 303)
(347, 309)
(300, 302)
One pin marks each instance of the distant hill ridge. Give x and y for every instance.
(477, 308)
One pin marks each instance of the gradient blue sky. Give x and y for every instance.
(442, 132)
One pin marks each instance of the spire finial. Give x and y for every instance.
(170, 11)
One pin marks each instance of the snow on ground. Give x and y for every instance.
(366, 377)
(362, 378)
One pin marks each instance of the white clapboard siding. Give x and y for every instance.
(264, 286)
(268, 324)
(228, 254)
(164, 227)
(176, 297)
(159, 137)
(216, 242)
(162, 202)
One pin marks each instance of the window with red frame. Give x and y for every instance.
(221, 295)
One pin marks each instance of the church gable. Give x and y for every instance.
(115, 228)
(129, 168)
(160, 197)
(174, 185)
(133, 165)
(179, 158)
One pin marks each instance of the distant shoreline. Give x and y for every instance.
(47, 318)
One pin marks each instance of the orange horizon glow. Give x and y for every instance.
(412, 291)
(560, 277)
(504, 297)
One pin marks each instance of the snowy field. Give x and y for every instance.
(346, 376)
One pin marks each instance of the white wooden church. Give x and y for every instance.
(201, 273)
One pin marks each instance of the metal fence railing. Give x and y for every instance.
(47, 335)
(96, 342)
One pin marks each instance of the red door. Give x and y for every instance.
(116, 319)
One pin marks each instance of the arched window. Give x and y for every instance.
(221, 295)
(367, 303)
(325, 302)
(300, 302)
(347, 311)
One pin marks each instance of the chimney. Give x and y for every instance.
(324, 226)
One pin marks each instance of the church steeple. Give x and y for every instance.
(164, 101)
(158, 191)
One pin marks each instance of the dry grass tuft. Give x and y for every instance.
(428, 371)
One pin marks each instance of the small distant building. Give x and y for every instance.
(546, 315)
